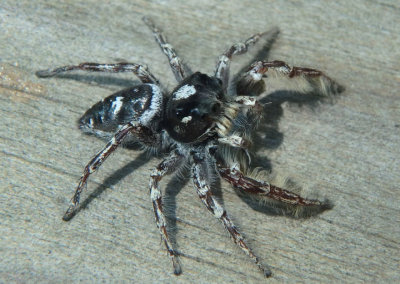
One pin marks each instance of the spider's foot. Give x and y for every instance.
(326, 205)
(70, 213)
(265, 270)
(177, 265)
(45, 73)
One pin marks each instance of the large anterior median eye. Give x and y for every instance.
(179, 112)
(193, 108)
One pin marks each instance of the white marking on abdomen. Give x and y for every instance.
(155, 105)
(117, 104)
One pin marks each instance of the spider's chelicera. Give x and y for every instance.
(202, 123)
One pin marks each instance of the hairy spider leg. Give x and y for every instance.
(312, 77)
(202, 186)
(139, 70)
(223, 65)
(238, 180)
(168, 165)
(174, 61)
(140, 131)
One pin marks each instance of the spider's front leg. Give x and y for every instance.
(167, 166)
(143, 133)
(223, 65)
(140, 71)
(309, 78)
(174, 61)
(201, 183)
(262, 189)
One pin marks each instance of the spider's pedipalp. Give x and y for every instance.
(235, 140)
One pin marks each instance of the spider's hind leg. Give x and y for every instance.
(143, 133)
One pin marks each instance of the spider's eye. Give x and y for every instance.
(195, 112)
(193, 108)
(179, 112)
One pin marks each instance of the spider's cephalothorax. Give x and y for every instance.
(193, 108)
(197, 123)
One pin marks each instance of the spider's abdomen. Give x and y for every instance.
(141, 102)
(193, 108)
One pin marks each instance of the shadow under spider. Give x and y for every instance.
(173, 188)
(267, 135)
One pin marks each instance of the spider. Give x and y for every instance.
(203, 123)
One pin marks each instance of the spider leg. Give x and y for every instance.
(236, 141)
(140, 131)
(199, 172)
(140, 71)
(167, 166)
(311, 77)
(222, 69)
(253, 106)
(174, 61)
(237, 179)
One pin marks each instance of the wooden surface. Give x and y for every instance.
(347, 151)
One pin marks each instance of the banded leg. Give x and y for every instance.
(165, 167)
(236, 141)
(263, 189)
(312, 77)
(174, 61)
(100, 157)
(199, 171)
(140, 71)
(222, 69)
(253, 106)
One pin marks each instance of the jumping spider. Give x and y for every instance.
(202, 123)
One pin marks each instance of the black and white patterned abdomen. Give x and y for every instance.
(132, 104)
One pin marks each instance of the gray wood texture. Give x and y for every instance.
(347, 151)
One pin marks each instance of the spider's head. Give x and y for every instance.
(194, 108)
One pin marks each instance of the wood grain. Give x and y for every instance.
(347, 151)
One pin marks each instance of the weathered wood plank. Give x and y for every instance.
(347, 152)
